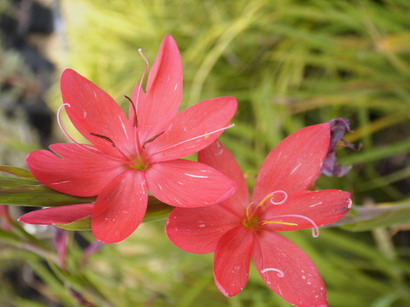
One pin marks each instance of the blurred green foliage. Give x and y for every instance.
(290, 63)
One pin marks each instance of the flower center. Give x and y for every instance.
(139, 164)
(251, 223)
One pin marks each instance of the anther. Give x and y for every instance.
(103, 137)
(152, 139)
(134, 109)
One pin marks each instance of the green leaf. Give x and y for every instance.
(368, 218)
(156, 211)
(39, 196)
(78, 225)
(17, 171)
(9, 182)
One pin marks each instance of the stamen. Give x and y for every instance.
(315, 229)
(152, 139)
(270, 195)
(142, 78)
(85, 147)
(134, 109)
(277, 222)
(60, 125)
(285, 198)
(106, 138)
(195, 138)
(280, 273)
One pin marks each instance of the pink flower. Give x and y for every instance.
(240, 229)
(131, 156)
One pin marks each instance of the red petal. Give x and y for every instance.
(288, 271)
(221, 159)
(295, 163)
(197, 230)
(323, 207)
(78, 172)
(120, 207)
(57, 215)
(232, 259)
(179, 137)
(164, 91)
(184, 183)
(92, 110)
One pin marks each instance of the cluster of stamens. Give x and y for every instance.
(252, 218)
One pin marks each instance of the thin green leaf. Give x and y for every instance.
(367, 218)
(17, 171)
(39, 196)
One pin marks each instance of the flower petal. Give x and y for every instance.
(120, 207)
(164, 91)
(77, 171)
(232, 260)
(220, 158)
(197, 230)
(92, 110)
(295, 163)
(288, 271)
(186, 132)
(57, 215)
(322, 207)
(183, 183)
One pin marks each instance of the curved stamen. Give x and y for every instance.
(85, 147)
(280, 273)
(142, 78)
(106, 138)
(134, 109)
(315, 229)
(270, 195)
(60, 125)
(205, 135)
(152, 139)
(285, 198)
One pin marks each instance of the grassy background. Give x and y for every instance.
(290, 63)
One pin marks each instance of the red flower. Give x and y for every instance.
(130, 156)
(241, 228)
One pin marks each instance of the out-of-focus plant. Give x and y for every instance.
(289, 63)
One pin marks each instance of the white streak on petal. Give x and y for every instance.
(195, 176)
(316, 204)
(295, 169)
(123, 127)
(61, 182)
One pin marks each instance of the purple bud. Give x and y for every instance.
(330, 167)
(338, 128)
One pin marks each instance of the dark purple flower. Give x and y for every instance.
(330, 167)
